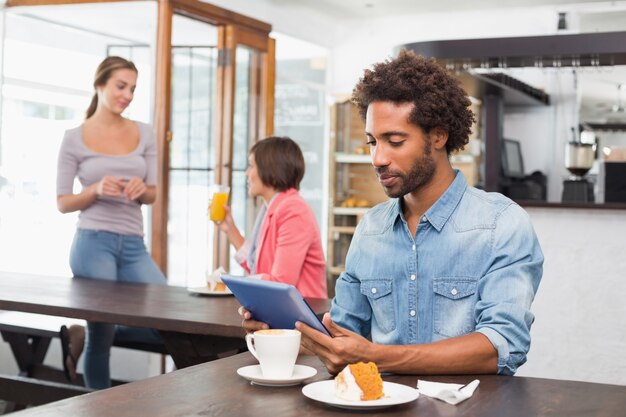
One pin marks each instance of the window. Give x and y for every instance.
(50, 55)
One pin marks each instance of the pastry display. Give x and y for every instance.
(355, 202)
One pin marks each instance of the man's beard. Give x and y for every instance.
(421, 173)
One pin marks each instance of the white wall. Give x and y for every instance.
(579, 331)
(357, 43)
(363, 44)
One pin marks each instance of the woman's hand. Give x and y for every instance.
(227, 224)
(134, 188)
(110, 186)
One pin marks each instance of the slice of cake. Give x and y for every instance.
(359, 381)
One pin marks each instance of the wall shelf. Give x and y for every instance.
(348, 230)
(352, 158)
(336, 270)
(514, 92)
(350, 211)
(352, 181)
(581, 49)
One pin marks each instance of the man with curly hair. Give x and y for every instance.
(439, 279)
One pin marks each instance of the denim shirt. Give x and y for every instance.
(474, 265)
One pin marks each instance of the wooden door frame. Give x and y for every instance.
(234, 29)
(229, 37)
(246, 31)
(162, 118)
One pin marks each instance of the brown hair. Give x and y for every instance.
(279, 162)
(103, 73)
(439, 100)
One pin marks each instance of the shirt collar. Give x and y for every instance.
(276, 200)
(439, 213)
(268, 205)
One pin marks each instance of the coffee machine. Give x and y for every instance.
(579, 157)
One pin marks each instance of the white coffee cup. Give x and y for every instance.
(276, 350)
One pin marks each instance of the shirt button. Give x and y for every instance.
(374, 290)
(412, 313)
(413, 277)
(453, 291)
(413, 248)
(424, 219)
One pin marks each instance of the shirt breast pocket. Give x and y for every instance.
(454, 304)
(380, 296)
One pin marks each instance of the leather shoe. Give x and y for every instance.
(72, 343)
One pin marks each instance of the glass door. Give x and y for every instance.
(192, 150)
(192, 162)
(247, 82)
(215, 117)
(219, 107)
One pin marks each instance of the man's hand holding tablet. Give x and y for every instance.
(267, 304)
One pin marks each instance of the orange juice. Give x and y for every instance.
(216, 209)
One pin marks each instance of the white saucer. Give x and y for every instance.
(204, 290)
(324, 391)
(253, 373)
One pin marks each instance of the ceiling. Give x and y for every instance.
(357, 9)
(599, 88)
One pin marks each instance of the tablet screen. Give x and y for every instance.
(277, 304)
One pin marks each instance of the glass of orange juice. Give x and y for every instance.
(219, 198)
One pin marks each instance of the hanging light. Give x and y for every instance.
(562, 24)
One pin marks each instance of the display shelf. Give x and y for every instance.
(462, 159)
(343, 229)
(336, 270)
(352, 158)
(350, 211)
(351, 180)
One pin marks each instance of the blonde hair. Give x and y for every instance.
(103, 73)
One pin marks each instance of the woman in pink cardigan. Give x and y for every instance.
(285, 244)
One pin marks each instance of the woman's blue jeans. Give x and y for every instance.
(114, 257)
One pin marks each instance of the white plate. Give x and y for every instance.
(324, 391)
(204, 290)
(253, 373)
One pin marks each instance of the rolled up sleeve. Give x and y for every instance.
(506, 292)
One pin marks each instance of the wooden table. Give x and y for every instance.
(214, 388)
(195, 328)
(183, 319)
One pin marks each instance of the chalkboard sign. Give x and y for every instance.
(298, 104)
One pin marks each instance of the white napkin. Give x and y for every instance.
(450, 393)
(214, 277)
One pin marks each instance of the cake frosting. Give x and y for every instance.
(358, 382)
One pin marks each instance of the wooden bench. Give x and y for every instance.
(29, 336)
